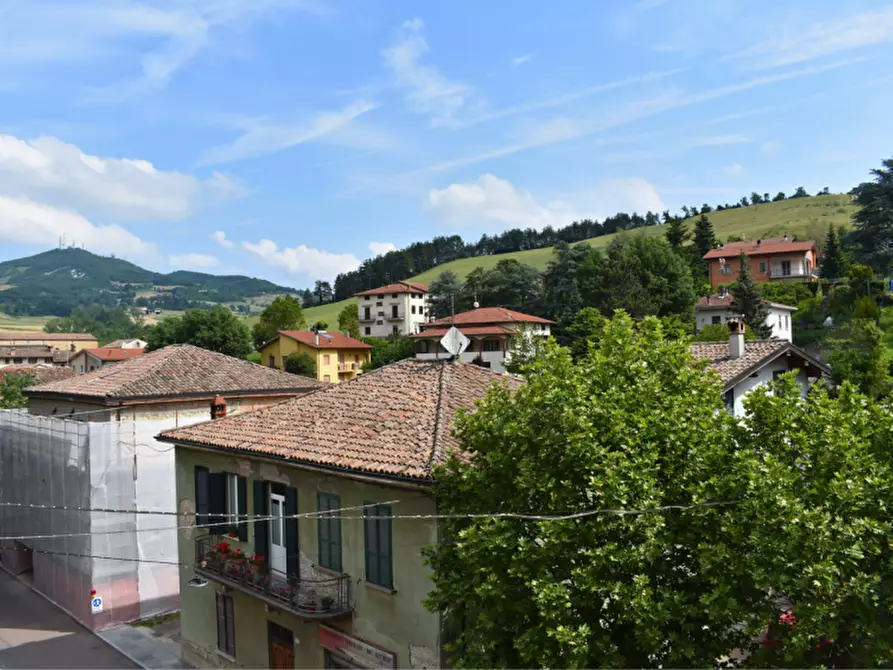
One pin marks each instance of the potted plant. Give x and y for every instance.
(256, 567)
(327, 602)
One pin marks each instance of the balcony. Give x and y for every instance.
(366, 319)
(396, 317)
(306, 598)
(348, 367)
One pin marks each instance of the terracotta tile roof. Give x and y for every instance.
(395, 421)
(43, 373)
(398, 287)
(327, 340)
(48, 337)
(26, 351)
(706, 303)
(110, 354)
(465, 330)
(487, 316)
(757, 353)
(770, 246)
(179, 370)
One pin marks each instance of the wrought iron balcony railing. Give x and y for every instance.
(324, 598)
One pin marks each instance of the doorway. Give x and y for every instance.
(277, 533)
(282, 646)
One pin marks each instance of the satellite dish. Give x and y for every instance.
(454, 341)
(476, 304)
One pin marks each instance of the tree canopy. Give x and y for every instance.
(300, 363)
(704, 241)
(833, 260)
(746, 300)
(105, 323)
(443, 293)
(284, 313)
(789, 518)
(216, 329)
(873, 234)
(12, 385)
(349, 320)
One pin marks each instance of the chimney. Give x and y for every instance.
(316, 338)
(759, 242)
(785, 238)
(736, 336)
(218, 407)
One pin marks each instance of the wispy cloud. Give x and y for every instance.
(733, 170)
(262, 137)
(302, 260)
(220, 237)
(192, 261)
(379, 248)
(427, 90)
(800, 45)
(517, 61)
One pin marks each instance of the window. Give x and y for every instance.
(236, 506)
(284, 358)
(726, 269)
(729, 399)
(808, 266)
(377, 532)
(762, 267)
(272, 362)
(329, 531)
(786, 268)
(394, 309)
(356, 358)
(396, 330)
(715, 319)
(325, 359)
(413, 309)
(226, 626)
(422, 347)
(395, 295)
(492, 345)
(776, 374)
(366, 298)
(368, 330)
(367, 313)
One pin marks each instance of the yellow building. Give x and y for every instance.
(58, 341)
(337, 356)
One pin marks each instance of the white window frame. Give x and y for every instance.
(232, 500)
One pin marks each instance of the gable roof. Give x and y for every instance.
(26, 351)
(776, 245)
(333, 340)
(485, 316)
(6, 336)
(470, 331)
(709, 302)
(111, 354)
(394, 422)
(177, 371)
(757, 354)
(397, 287)
(42, 373)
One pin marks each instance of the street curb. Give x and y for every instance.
(74, 618)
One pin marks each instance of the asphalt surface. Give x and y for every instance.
(34, 633)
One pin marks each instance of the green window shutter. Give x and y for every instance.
(261, 528)
(291, 535)
(378, 545)
(329, 531)
(201, 495)
(335, 532)
(384, 547)
(322, 528)
(369, 531)
(217, 501)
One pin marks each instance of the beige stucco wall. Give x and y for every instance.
(396, 622)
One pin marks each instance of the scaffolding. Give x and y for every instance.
(83, 466)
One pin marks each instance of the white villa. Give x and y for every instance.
(395, 309)
(717, 308)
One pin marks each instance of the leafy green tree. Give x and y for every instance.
(833, 261)
(677, 233)
(319, 326)
(12, 385)
(299, 363)
(704, 241)
(216, 329)
(284, 313)
(719, 332)
(873, 234)
(633, 424)
(323, 292)
(561, 293)
(800, 193)
(443, 293)
(755, 198)
(510, 284)
(746, 300)
(386, 351)
(524, 348)
(779, 196)
(586, 329)
(859, 356)
(105, 323)
(642, 275)
(349, 320)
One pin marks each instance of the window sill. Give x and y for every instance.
(225, 656)
(383, 589)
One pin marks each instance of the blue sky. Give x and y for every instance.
(291, 139)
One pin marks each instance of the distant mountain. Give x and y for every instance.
(56, 281)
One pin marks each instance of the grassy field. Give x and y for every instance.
(807, 218)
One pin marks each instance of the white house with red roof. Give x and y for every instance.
(490, 330)
(714, 309)
(88, 360)
(396, 309)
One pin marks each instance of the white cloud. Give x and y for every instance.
(261, 137)
(799, 44)
(159, 38)
(427, 90)
(720, 140)
(769, 147)
(61, 175)
(220, 237)
(192, 261)
(379, 248)
(25, 222)
(494, 203)
(734, 170)
(303, 260)
(517, 61)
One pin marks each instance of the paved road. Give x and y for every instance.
(36, 634)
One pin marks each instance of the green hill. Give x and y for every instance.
(807, 218)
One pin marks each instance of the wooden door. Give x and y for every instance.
(282, 646)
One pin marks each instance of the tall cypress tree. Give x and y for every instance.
(705, 240)
(833, 263)
(677, 233)
(746, 301)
